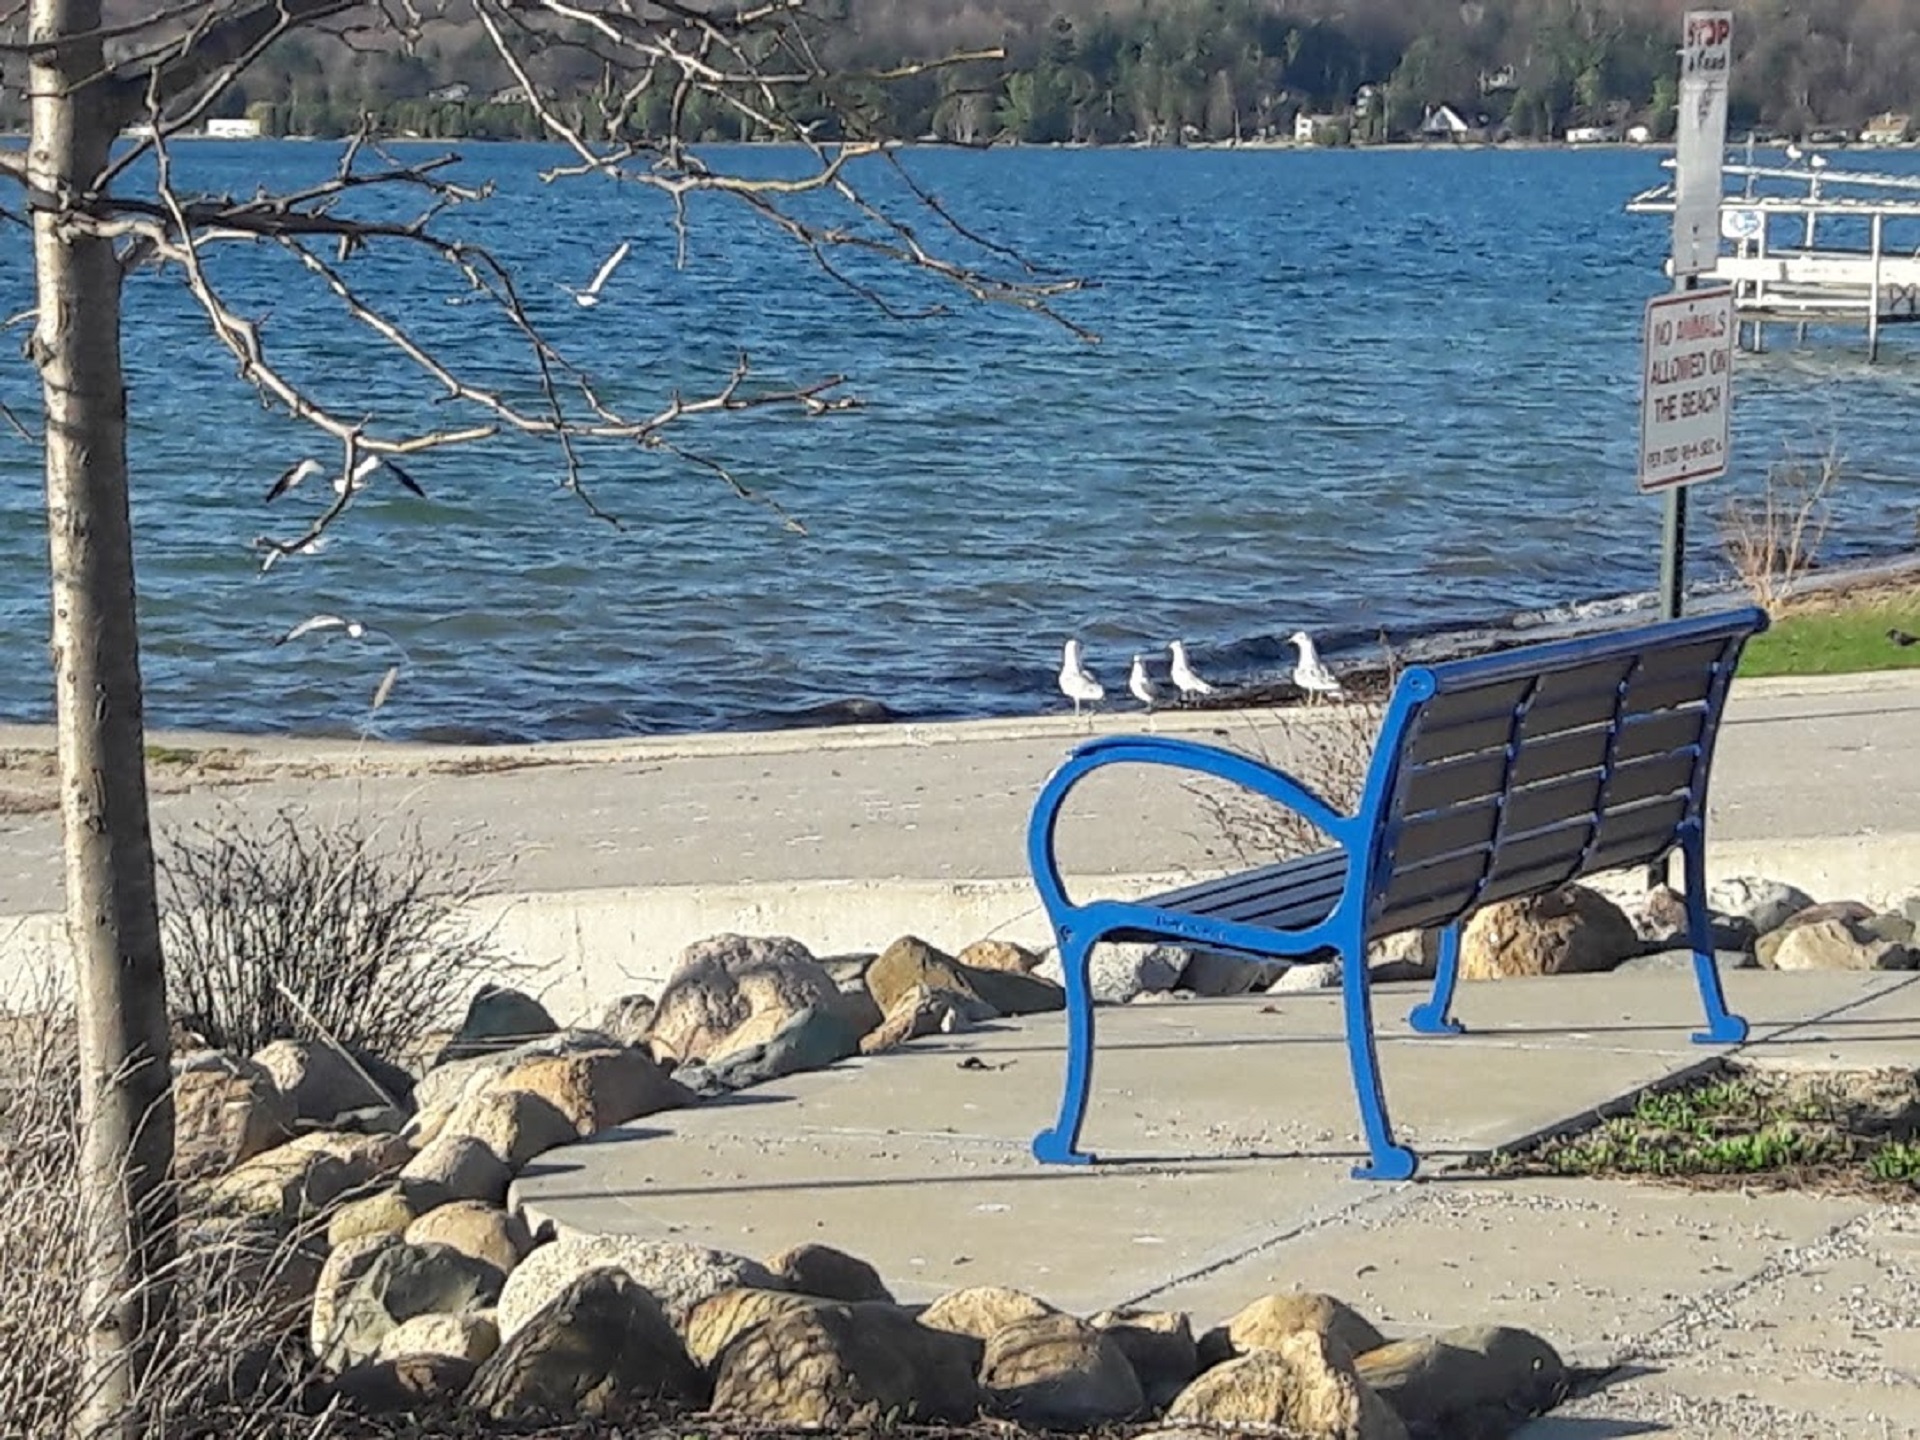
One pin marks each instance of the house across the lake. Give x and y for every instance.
(1443, 122)
(1592, 135)
(1316, 129)
(239, 128)
(1888, 129)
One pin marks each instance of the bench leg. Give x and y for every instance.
(1388, 1160)
(1723, 1026)
(1434, 1017)
(1058, 1146)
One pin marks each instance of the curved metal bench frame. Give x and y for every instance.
(1367, 842)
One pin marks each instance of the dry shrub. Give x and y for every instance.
(234, 1361)
(1773, 539)
(292, 928)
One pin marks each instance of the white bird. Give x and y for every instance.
(357, 481)
(591, 295)
(1075, 682)
(293, 475)
(353, 628)
(1140, 684)
(1818, 162)
(1794, 153)
(1310, 674)
(1190, 685)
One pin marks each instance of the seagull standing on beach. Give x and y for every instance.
(1190, 685)
(1140, 684)
(590, 296)
(1075, 682)
(1309, 673)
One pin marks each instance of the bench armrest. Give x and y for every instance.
(1242, 770)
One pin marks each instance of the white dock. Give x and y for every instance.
(1842, 251)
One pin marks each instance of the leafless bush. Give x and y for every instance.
(238, 1319)
(1772, 539)
(293, 928)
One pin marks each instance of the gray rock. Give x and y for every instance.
(1764, 904)
(1891, 925)
(341, 1271)
(1057, 1370)
(401, 1282)
(1682, 959)
(839, 1365)
(324, 1081)
(1321, 975)
(1121, 972)
(721, 983)
(462, 1168)
(497, 1019)
(1660, 919)
(1475, 1374)
(1910, 907)
(1211, 974)
(830, 1274)
(600, 1349)
(815, 1038)
(410, 1383)
(1160, 1347)
(1407, 955)
(680, 1276)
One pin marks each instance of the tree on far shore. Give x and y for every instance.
(101, 207)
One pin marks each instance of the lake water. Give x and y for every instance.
(1345, 391)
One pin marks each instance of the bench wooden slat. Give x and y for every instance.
(1285, 896)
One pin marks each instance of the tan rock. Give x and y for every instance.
(718, 983)
(830, 1274)
(226, 1110)
(719, 1319)
(849, 1365)
(1474, 1373)
(385, 1212)
(911, 962)
(1834, 945)
(1159, 1345)
(1307, 1387)
(517, 1125)
(401, 1282)
(461, 1168)
(982, 1310)
(476, 1228)
(600, 1349)
(598, 1089)
(307, 1174)
(999, 955)
(920, 1011)
(466, 1337)
(1569, 931)
(1263, 1324)
(1058, 1370)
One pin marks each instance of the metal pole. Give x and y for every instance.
(1673, 528)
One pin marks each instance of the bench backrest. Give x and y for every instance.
(1514, 773)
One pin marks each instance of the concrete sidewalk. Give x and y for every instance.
(1228, 1129)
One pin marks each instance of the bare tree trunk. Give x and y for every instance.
(112, 915)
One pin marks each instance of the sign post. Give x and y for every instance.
(1700, 142)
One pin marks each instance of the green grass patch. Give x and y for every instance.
(1850, 1131)
(1838, 636)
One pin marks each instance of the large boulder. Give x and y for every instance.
(460, 1168)
(1306, 1388)
(599, 1349)
(1159, 1345)
(497, 1019)
(225, 1110)
(717, 1321)
(911, 963)
(830, 1274)
(1265, 1323)
(516, 1125)
(307, 1174)
(344, 1266)
(475, 1228)
(1569, 931)
(1057, 1370)
(718, 984)
(401, 1282)
(847, 1365)
(324, 1082)
(1460, 1380)
(387, 1211)
(598, 1089)
(980, 1311)
(442, 1088)
(1764, 904)
(1837, 944)
(1118, 972)
(815, 1038)
(680, 1276)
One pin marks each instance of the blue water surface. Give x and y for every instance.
(1342, 390)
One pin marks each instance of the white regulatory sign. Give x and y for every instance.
(1686, 388)
(1700, 139)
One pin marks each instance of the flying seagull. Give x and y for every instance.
(1309, 673)
(1075, 682)
(1140, 684)
(591, 295)
(362, 472)
(353, 629)
(1190, 685)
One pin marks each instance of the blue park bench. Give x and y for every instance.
(1493, 778)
